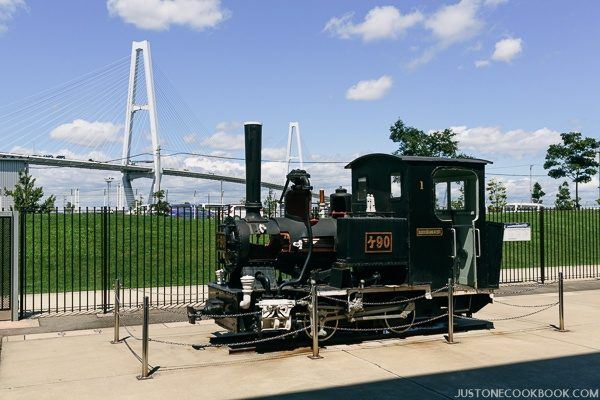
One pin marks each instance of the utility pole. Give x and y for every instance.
(598, 175)
(530, 183)
(221, 194)
(108, 181)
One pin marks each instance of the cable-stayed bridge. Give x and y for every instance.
(114, 119)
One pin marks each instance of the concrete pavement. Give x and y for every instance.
(518, 353)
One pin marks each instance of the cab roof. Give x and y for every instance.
(416, 158)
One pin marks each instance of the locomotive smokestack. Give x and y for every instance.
(253, 135)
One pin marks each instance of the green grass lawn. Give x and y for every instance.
(64, 252)
(570, 238)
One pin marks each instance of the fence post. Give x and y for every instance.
(15, 284)
(542, 247)
(450, 336)
(117, 337)
(561, 304)
(145, 370)
(314, 320)
(104, 260)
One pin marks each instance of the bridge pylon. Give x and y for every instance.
(140, 52)
(294, 131)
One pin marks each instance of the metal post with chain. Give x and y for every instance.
(145, 370)
(450, 336)
(117, 311)
(561, 304)
(314, 320)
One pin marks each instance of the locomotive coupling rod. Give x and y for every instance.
(117, 311)
(450, 337)
(145, 371)
(314, 320)
(561, 304)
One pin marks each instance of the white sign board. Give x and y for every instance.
(517, 232)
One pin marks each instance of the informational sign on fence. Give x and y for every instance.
(517, 232)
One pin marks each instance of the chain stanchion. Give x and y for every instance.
(117, 311)
(561, 304)
(145, 370)
(314, 302)
(450, 337)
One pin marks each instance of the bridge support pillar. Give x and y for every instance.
(140, 54)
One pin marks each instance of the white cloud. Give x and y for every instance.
(507, 49)
(161, 14)
(228, 125)
(449, 25)
(456, 22)
(224, 141)
(8, 9)
(516, 143)
(274, 153)
(372, 89)
(482, 63)
(86, 133)
(385, 22)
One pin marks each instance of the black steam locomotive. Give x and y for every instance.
(381, 257)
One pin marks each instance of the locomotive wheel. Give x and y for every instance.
(330, 327)
(406, 322)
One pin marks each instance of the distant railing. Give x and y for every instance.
(540, 243)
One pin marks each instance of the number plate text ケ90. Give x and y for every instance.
(378, 242)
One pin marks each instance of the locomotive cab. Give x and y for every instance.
(443, 202)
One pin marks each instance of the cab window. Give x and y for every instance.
(395, 185)
(455, 194)
(362, 189)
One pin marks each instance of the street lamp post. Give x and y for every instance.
(108, 181)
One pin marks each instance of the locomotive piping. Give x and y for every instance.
(306, 261)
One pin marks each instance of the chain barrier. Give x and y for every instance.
(231, 315)
(524, 305)
(529, 287)
(247, 343)
(508, 318)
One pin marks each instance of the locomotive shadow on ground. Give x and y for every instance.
(303, 341)
(571, 372)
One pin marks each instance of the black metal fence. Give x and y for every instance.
(540, 243)
(6, 231)
(70, 259)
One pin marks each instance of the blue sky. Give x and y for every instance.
(507, 75)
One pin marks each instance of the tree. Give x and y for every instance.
(573, 158)
(496, 195)
(270, 205)
(70, 206)
(161, 206)
(537, 193)
(563, 197)
(27, 196)
(415, 142)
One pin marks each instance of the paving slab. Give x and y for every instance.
(524, 352)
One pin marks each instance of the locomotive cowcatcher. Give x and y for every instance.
(381, 257)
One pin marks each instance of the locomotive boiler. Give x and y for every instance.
(381, 256)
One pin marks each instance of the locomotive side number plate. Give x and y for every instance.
(378, 242)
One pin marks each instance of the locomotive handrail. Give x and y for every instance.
(454, 246)
(478, 239)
